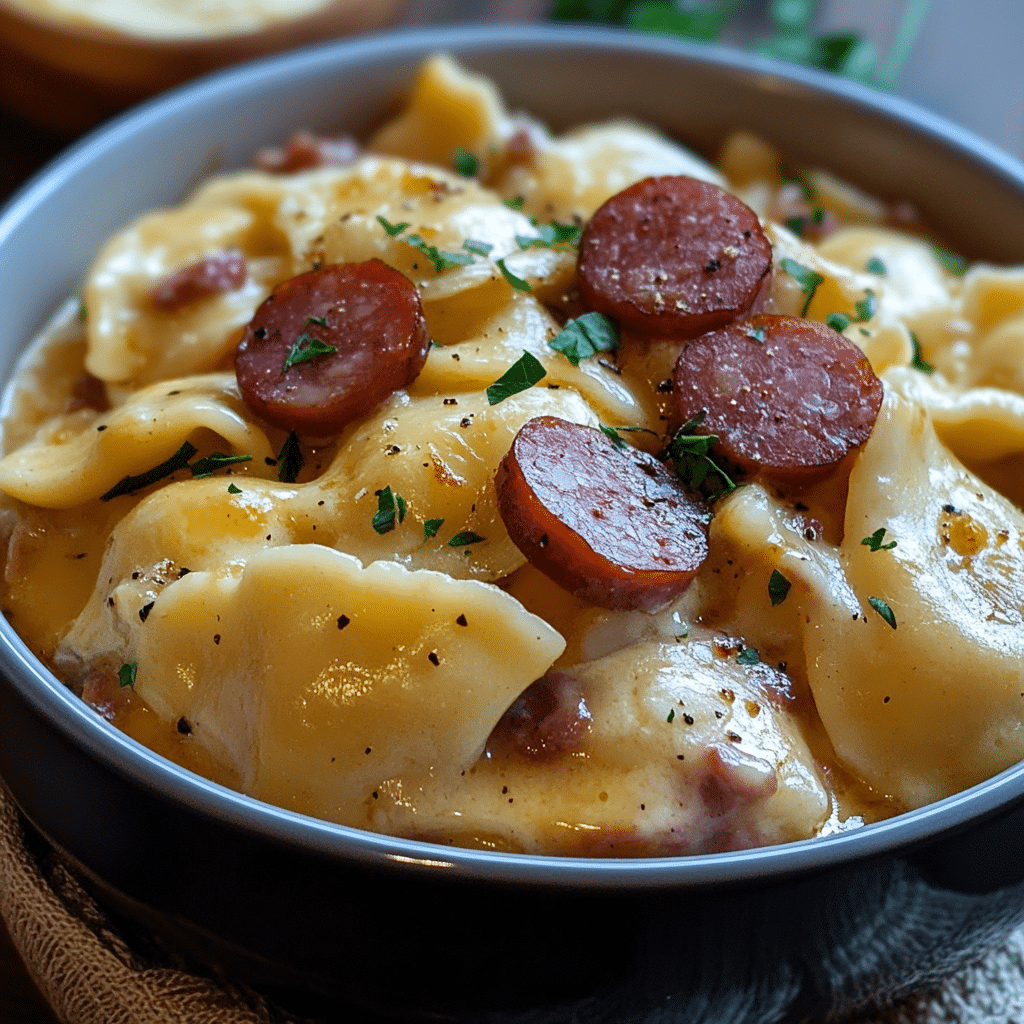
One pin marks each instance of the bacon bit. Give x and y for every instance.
(521, 147)
(219, 272)
(87, 392)
(306, 150)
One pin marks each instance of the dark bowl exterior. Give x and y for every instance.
(325, 916)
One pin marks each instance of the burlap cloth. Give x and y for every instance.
(91, 974)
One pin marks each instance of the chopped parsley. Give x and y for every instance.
(866, 309)
(430, 528)
(208, 466)
(126, 674)
(952, 262)
(232, 489)
(808, 279)
(393, 230)
(290, 459)
(875, 541)
(883, 609)
(516, 203)
(521, 375)
(758, 334)
(441, 259)
(917, 360)
(551, 234)
(460, 540)
(778, 587)
(516, 282)
(465, 163)
(876, 266)
(748, 656)
(690, 454)
(478, 248)
(306, 349)
(585, 337)
(128, 484)
(613, 433)
(179, 460)
(390, 510)
(671, 716)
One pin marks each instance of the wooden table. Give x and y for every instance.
(964, 64)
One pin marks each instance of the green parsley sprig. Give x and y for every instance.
(390, 512)
(690, 453)
(521, 375)
(179, 460)
(585, 337)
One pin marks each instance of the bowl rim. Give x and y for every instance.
(75, 721)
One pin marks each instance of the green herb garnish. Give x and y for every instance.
(126, 674)
(393, 230)
(875, 541)
(390, 510)
(690, 454)
(290, 459)
(585, 337)
(516, 282)
(430, 528)
(232, 489)
(778, 587)
(671, 716)
(128, 484)
(883, 609)
(951, 261)
(748, 656)
(808, 279)
(476, 247)
(208, 466)
(460, 540)
(876, 266)
(551, 234)
(305, 349)
(917, 360)
(465, 163)
(521, 375)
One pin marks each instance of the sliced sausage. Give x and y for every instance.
(786, 396)
(673, 257)
(548, 718)
(219, 272)
(367, 313)
(613, 527)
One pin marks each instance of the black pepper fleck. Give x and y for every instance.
(433, 658)
(183, 727)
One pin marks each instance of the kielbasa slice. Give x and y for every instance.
(674, 257)
(548, 718)
(328, 346)
(786, 396)
(214, 274)
(613, 527)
